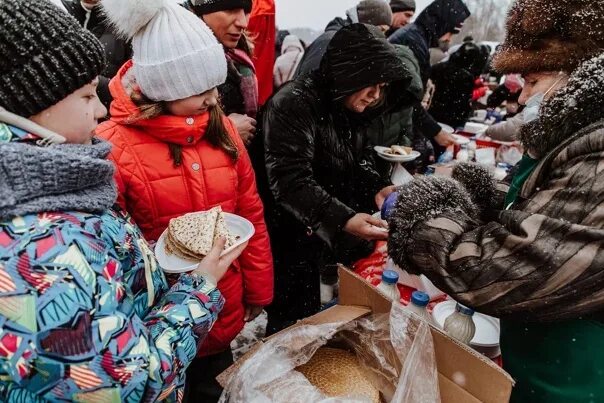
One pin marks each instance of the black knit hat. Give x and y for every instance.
(202, 7)
(44, 56)
(402, 5)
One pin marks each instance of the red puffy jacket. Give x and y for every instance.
(153, 191)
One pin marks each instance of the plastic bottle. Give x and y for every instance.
(463, 155)
(460, 324)
(418, 305)
(388, 285)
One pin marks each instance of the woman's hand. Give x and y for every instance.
(445, 139)
(213, 267)
(246, 126)
(367, 227)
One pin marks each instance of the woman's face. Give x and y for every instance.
(76, 116)
(362, 99)
(195, 105)
(542, 83)
(228, 26)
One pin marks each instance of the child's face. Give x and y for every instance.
(195, 105)
(74, 117)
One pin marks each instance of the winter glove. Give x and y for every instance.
(419, 201)
(481, 186)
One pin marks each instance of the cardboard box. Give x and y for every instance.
(465, 376)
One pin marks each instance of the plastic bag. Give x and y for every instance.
(396, 353)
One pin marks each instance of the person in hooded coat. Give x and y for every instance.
(437, 22)
(292, 52)
(320, 169)
(533, 254)
(372, 12)
(454, 85)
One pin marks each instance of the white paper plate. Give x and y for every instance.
(447, 128)
(381, 151)
(236, 225)
(461, 140)
(487, 327)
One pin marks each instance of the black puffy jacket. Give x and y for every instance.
(320, 169)
(117, 50)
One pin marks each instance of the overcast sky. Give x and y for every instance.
(315, 14)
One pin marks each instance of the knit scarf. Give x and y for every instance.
(248, 82)
(63, 177)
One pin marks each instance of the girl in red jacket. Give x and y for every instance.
(177, 153)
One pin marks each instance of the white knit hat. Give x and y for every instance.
(175, 54)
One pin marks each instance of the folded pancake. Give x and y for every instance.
(192, 235)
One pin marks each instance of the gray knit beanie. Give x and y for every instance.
(44, 56)
(374, 12)
(398, 6)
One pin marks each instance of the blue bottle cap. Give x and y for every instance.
(420, 298)
(464, 310)
(388, 206)
(390, 277)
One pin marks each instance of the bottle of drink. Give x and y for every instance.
(463, 155)
(388, 285)
(460, 324)
(418, 305)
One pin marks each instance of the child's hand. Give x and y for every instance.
(214, 266)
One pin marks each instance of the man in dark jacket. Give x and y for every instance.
(439, 21)
(402, 13)
(372, 12)
(319, 168)
(117, 51)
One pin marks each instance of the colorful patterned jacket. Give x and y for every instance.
(86, 313)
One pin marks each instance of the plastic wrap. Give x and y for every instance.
(396, 353)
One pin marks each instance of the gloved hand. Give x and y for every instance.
(421, 200)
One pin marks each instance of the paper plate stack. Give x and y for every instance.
(337, 373)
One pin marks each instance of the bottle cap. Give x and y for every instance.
(420, 298)
(390, 277)
(464, 310)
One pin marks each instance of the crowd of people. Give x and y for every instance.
(117, 116)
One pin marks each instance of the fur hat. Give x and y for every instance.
(551, 35)
(175, 54)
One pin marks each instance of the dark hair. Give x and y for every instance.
(216, 133)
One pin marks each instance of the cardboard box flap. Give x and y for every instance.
(470, 371)
(335, 314)
(354, 290)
